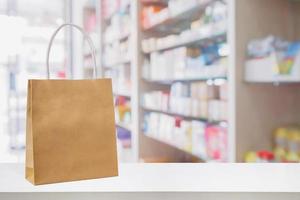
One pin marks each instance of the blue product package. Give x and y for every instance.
(293, 49)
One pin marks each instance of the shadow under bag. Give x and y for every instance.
(70, 128)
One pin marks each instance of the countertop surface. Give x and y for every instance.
(177, 177)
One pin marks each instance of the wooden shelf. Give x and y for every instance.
(274, 82)
(189, 117)
(191, 41)
(161, 140)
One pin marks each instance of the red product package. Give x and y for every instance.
(148, 12)
(216, 142)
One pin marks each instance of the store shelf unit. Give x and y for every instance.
(178, 31)
(253, 110)
(147, 147)
(262, 106)
(117, 63)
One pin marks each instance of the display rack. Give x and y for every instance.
(262, 107)
(164, 142)
(253, 110)
(116, 62)
(177, 25)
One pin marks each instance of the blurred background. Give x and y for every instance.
(193, 80)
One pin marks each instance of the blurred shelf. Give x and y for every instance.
(88, 67)
(189, 117)
(120, 62)
(124, 94)
(190, 14)
(89, 55)
(124, 125)
(169, 143)
(90, 7)
(121, 38)
(191, 41)
(169, 82)
(264, 70)
(154, 2)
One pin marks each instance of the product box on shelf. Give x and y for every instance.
(156, 100)
(217, 110)
(265, 69)
(201, 90)
(120, 79)
(124, 145)
(122, 110)
(224, 91)
(196, 99)
(153, 15)
(186, 63)
(205, 31)
(124, 136)
(216, 142)
(206, 141)
(286, 147)
(272, 59)
(177, 7)
(147, 14)
(116, 31)
(198, 138)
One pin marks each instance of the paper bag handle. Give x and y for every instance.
(85, 35)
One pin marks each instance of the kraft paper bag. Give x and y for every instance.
(70, 130)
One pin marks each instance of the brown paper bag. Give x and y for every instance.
(70, 129)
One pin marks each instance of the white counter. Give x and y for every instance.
(168, 178)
